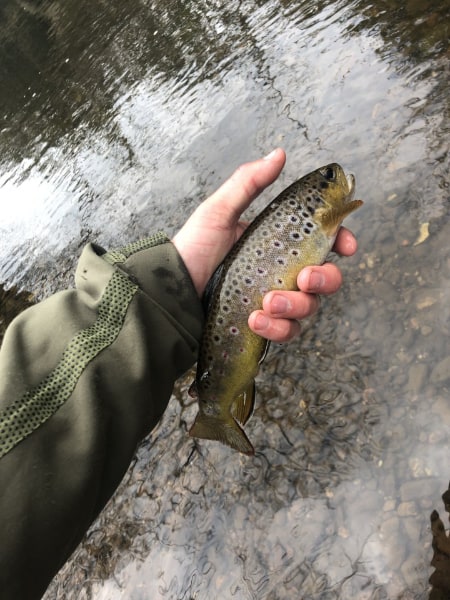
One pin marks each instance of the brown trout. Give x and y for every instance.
(295, 230)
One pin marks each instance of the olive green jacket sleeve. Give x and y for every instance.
(84, 376)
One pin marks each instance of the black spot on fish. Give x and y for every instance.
(259, 252)
(311, 210)
(292, 203)
(281, 261)
(324, 185)
(295, 235)
(234, 330)
(293, 219)
(248, 281)
(294, 252)
(245, 300)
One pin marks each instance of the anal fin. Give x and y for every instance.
(244, 404)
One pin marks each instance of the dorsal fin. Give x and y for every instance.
(211, 287)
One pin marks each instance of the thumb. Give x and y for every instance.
(245, 184)
(212, 229)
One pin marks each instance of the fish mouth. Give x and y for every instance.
(351, 184)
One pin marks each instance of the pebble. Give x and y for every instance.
(426, 330)
(389, 505)
(407, 509)
(417, 376)
(441, 407)
(409, 571)
(441, 372)
(426, 302)
(412, 526)
(415, 489)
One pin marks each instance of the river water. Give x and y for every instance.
(118, 119)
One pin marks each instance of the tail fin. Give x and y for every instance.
(222, 429)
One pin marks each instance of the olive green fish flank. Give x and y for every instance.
(295, 230)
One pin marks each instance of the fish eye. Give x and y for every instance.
(329, 173)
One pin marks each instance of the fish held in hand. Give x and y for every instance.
(295, 230)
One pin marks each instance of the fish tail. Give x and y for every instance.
(223, 429)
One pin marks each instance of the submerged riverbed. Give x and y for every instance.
(119, 119)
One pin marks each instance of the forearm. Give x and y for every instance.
(83, 377)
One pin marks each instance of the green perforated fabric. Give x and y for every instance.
(37, 405)
(25, 415)
(120, 255)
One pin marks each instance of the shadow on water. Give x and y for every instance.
(138, 111)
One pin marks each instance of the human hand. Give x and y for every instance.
(214, 227)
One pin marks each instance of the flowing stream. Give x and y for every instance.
(118, 119)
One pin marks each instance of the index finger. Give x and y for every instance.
(345, 243)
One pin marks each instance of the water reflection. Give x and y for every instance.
(139, 111)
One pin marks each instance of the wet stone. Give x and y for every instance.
(412, 526)
(441, 372)
(441, 407)
(417, 377)
(360, 311)
(416, 489)
(409, 570)
(407, 509)
(392, 542)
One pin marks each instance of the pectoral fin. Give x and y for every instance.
(244, 404)
(222, 429)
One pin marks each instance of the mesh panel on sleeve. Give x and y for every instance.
(37, 405)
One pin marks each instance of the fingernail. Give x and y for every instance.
(261, 322)
(270, 155)
(279, 304)
(316, 281)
